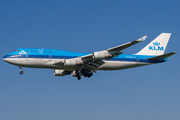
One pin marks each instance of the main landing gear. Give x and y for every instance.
(21, 70)
(83, 72)
(86, 73)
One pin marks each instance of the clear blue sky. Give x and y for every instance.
(144, 93)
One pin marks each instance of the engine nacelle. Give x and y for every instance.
(101, 55)
(72, 62)
(59, 72)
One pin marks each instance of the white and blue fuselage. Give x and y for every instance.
(78, 64)
(39, 58)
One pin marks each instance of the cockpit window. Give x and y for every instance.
(16, 50)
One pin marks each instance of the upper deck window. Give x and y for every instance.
(16, 50)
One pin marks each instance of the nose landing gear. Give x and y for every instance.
(21, 70)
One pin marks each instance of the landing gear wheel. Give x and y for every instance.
(79, 78)
(90, 74)
(21, 72)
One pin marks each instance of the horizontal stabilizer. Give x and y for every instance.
(160, 57)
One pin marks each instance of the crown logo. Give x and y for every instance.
(156, 43)
(22, 52)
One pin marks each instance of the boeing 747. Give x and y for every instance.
(84, 64)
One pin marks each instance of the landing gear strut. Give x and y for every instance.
(21, 71)
(78, 76)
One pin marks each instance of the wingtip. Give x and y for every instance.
(142, 38)
(174, 52)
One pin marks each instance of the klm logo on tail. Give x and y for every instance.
(156, 47)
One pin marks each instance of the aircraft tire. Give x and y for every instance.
(21, 72)
(79, 78)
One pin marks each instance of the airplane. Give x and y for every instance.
(85, 64)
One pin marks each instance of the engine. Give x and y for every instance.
(59, 72)
(72, 62)
(101, 55)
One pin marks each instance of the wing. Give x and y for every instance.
(94, 60)
(112, 52)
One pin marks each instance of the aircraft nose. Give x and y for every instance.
(5, 58)
(9, 60)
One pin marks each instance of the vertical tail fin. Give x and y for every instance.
(157, 46)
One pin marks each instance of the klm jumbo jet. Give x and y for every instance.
(84, 64)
